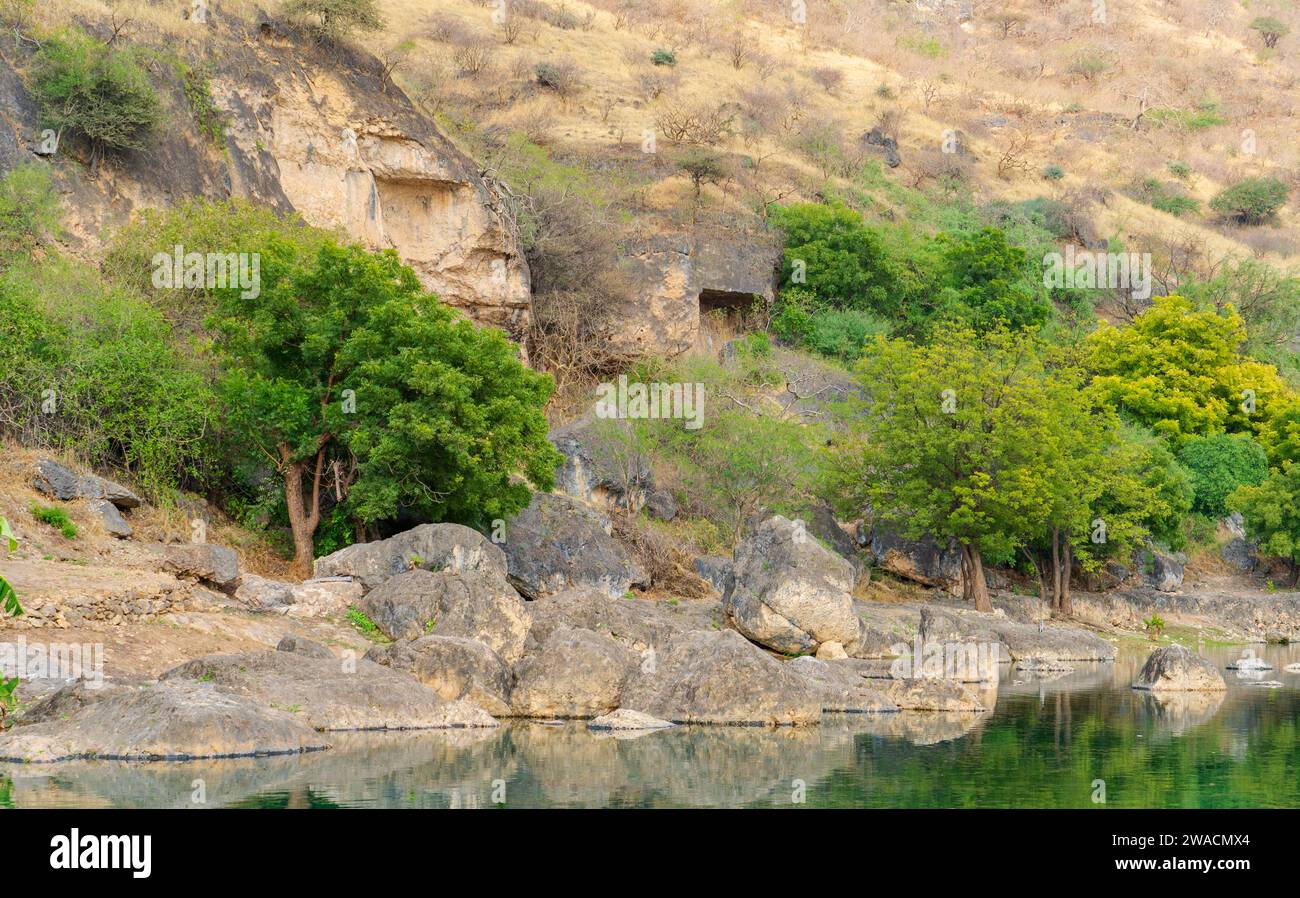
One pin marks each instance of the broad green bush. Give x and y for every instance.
(95, 92)
(1218, 465)
(1251, 201)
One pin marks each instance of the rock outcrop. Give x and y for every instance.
(217, 565)
(329, 694)
(472, 605)
(577, 673)
(1162, 569)
(842, 688)
(63, 483)
(454, 667)
(1019, 640)
(718, 677)
(922, 560)
(171, 720)
(638, 623)
(1173, 668)
(558, 543)
(623, 719)
(436, 547)
(110, 518)
(788, 592)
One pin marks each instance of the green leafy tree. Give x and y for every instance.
(86, 88)
(1271, 512)
(957, 440)
(1180, 371)
(1251, 201)
(834, 256)
(346, 374)
(990, 278)
(1218, 465)
(333, 20)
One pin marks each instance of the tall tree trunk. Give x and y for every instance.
(1056, 569)
(1067, 553)
(304, 512)
(973, 587)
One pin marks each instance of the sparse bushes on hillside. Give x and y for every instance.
(1270, 30)
(96, 93)
(29, 208)
(333, 20)
(663, 57)
(561, 76)
(701, 125)
(1251, 201)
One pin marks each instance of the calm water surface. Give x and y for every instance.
(1045, 743)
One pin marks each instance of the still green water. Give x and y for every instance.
(1046, 743)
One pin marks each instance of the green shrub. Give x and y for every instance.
(95, 92)
(56, 518)
(663, 57)
(29, 207)
(1165, 197)
(1218, 465)
(1270, 30)
(1251, 201)
(1053, 173)
(1178, 169)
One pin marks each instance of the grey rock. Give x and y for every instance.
(210, 563)
(921, 560)
(790, 593)
(719, 677)
(302, 646)
(111, 518)
(263, 594)
(1240, 554)
(557, 543)
(931, 694)
(454, 667)
(601, 464)
(624, 719)
(716, 569)
(1173, 668)
(153, 721)
(661, 505)
(841, 687)
(1162, 569)
(54, 479)
(638, 623)
(329, 694)
(1020, 640)
(472, 604)
(577, 673)
(445, 547)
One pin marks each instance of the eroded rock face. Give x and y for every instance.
(598, 464)
(922, 560)
(62, 482)
(930, 694)
(718, 677)
(679, 277)
(557, 543)
(638, 623)
(841, 687)
(157, 721)
(454, 667)
(1162, 569)
(1173, 668)
(1019, 640)
(445, 547)
(788, 592)
(111, 518)
(472, 604)
(208, 562)
(311, 598)
(623, 719)
(329, 695)
(577, 673)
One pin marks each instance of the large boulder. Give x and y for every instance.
(1162, 569)
(472, 604)
(218, 565)
(921, 560)
(716, 569)
(330, 694)
(577, 673)
(452, 666)
(842, 687)
(557, 543)
(311, 598)
(1172, 668)
(435, 547)
(639, 623)
(111, 518)
(788, 592)
(719, 677)
(930, 694)
(172, 720)
(61, 482)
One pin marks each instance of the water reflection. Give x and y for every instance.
(1045, 742)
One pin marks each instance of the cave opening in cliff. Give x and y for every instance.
(723, 314)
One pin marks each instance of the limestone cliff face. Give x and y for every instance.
(313, 133)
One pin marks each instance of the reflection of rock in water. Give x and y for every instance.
(1087, 675)
(1177, 712)
(922, 728)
